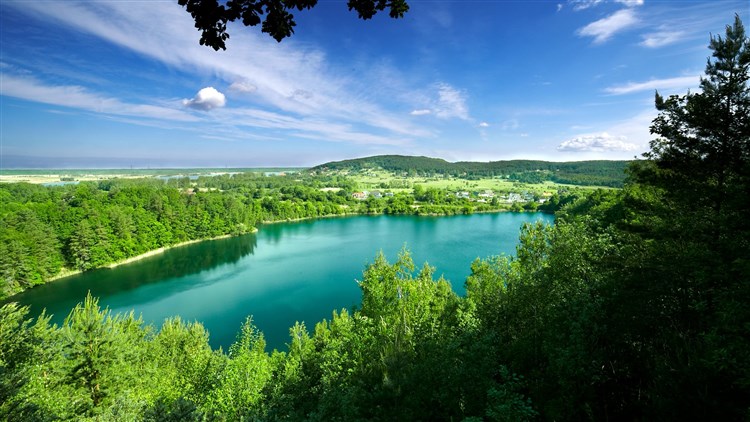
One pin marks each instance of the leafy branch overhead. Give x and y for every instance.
(211, 16)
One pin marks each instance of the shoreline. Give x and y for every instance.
(66, 272)
(353, 214)
(296, 220)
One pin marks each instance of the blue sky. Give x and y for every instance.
(125, 83)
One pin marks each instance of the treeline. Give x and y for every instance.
(89, 225)
(586, 173)
(593, 319)
(633, 306)
(48, 230)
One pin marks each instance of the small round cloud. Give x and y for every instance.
(206, 99)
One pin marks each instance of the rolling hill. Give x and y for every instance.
(586, 173)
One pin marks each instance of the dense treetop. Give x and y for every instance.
(48, 232)
(633, 306)
(211, 16)
(598, 173)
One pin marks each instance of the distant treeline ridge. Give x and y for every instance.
(587, 173)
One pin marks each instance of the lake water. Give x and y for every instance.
(286, 272)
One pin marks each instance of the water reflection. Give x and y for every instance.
(290, 272)
(62, 295)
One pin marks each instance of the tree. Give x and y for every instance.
(687, 216)
(90, 348)
(211, 17)
(239, 395)
(704, 138)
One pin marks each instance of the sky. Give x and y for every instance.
(125, 83)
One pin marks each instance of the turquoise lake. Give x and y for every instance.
(286, 272)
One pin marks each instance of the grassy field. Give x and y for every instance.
(365, 180)
(384, 180)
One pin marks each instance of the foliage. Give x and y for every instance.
(633, 306)
(211, 17)
(384, 362)
(586, 173)
(47, 231)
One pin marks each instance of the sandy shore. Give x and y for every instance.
(66, 272)
(161, 250)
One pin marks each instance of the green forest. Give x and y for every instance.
(633, 306)
(50, 231)
(585, 173)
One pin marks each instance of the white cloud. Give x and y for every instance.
(579, 5)
(243, 87)
(206, 99)
(559, 6)
(630, 3)
(679, 83)
(605, 28)
(289, 78)
(447, 103)
(661, 38)
(484, 124)
(584, 4)
(302, 95)
(78, 97)
(598, 142)
(451, 103)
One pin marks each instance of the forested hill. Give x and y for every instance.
(591, 173)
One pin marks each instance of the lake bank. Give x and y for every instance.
(287, 272)
(353, 214)
(67, 272)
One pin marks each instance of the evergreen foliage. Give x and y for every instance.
(633, 306)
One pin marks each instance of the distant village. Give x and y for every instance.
(483, 196)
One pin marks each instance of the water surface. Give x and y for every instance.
(286, 272)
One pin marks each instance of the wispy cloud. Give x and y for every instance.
(446, 102)
(579, 5)
(243, 87)
(597, 142)
(289, 79)
(661, 38)
(484, 124)
(682, 82)
(630, 3)
(451, 103)
(584, 4)
(78, 97)
(603, 29)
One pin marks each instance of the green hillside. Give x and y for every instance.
(586, 173)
